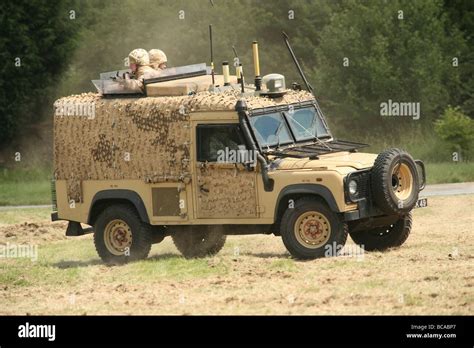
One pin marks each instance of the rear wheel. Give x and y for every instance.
(121, 236)
(382, 238)
(198, 241)
(311, 230)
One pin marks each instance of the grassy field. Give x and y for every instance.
(15, 216)
(430, 274)
(25, 187)
(440, 173)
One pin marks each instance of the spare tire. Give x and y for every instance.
(395, 182)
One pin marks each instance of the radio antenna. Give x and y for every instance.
(212, 54)
(287, 42)
(235, 52)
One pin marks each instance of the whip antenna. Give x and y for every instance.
(212, 54)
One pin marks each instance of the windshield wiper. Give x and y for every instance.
(320, 142)
(277, 133)
(314, 136)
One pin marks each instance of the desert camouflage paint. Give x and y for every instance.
(139, 138)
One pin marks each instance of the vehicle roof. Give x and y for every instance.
(201, 101)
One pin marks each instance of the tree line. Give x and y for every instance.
(357, 54)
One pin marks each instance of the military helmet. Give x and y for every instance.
(139, 56)
(157, 57)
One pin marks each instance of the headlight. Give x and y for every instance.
(353, 187)
(356, 186)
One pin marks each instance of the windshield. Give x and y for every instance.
(271, 129)
(305, 124)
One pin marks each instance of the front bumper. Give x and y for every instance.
(364, 210)
(365, 206)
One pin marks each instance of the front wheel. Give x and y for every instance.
(382, 238)
(311, 230)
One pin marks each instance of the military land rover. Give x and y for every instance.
(199, 156)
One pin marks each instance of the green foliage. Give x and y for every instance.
(402, 60)
(461, 13)
(420, 142)
(457, 130)
(402, 56)
(37, 37)
(405, 60)
(450, 172)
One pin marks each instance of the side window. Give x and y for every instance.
(213, 140)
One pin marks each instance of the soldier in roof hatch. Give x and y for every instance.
(158, 59)
(139, 62)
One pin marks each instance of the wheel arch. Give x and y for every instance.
(105, 197)
(299, 190)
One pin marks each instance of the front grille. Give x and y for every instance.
(363, 181)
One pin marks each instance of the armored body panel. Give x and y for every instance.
(135, 138)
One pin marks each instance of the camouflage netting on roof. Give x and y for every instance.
(144, 138)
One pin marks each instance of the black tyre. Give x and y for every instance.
(198, 241)
(382, 238)
(120, 235)
(311, 230)
(395, 182)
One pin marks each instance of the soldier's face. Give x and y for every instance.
(133, 67)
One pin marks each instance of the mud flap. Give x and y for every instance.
(75, 229)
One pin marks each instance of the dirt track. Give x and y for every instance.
(430, 274)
